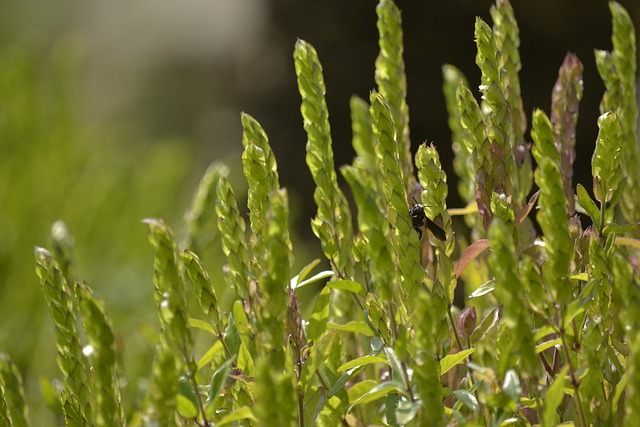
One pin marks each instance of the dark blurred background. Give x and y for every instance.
(110, 112)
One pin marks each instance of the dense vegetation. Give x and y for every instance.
(549, 329)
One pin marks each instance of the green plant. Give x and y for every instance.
(549, 334)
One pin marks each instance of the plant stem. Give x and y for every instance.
(574, 380)
(454, 329)
(301, 409)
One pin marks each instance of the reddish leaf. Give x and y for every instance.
(471, 253)
(524, 212)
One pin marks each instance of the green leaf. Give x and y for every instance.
(618, 229)
(319, 353)
(231, 336)
(362, 361)
(548, 344)
(208, 356)
(574, 309)
(588, 205)
(243, 413)
(483, 289)
(467, 398)
(218, 380)
(347, 285)
(374, 393)
(487, 323)
(452, 360)
(396, 367)
(313, 406)
(342, 380)
(200, 324)
(553, 398)
(186, 407)
(319, 316)
(511, 386)
(355, 326)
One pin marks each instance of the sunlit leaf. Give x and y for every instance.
(243, 413)
(452, 360)
(483, 289)
(355, 326)
(347, 285)
(363, 361)
(315, 278)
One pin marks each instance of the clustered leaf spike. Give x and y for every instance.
(106, 390)
(392, 82)
(374, 226)
(434, 194)
(565, 99)
(403, 238)
(275, 279)
(452, 78)
(426, 368)
(479, 148)
(232, 232)
(618, 71)
(605, 165)
(332, 225)
(363, 137)
(434, 188)
(200, 220)
(507, 34)
(160, 404)
(202, 284)
(553, 210)
(507, 37)
(169, 287)
(76, 400)
(261, 172)
(510, 292)
(12, 401)
(495, 105)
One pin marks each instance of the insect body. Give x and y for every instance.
(419, 220)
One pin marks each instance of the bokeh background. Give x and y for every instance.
(111, 111)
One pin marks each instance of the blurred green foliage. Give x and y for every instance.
(54, 166)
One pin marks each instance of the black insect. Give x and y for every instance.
(419, 219)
